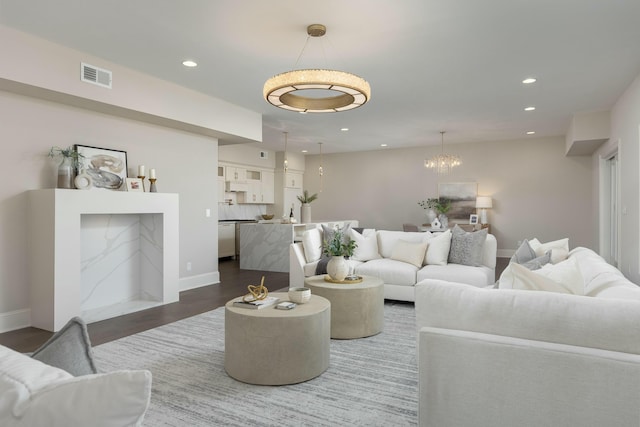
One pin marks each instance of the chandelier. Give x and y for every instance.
(442, 163)
(343, 91)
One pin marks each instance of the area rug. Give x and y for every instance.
(370, 381)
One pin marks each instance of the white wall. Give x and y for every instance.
(625, 132)
(537, 191)
(158, 124)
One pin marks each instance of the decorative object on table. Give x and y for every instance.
(152, 180)
(257, 297)
(483, 203)
(106, 167)
(436, 224)
(305, 209)
(338, 247)
(71, 162)
(462, 196)
(141, 175)
(286, 90)
(83, 181)
(429, 205)
(473, 219)
(134, 184)
(441, 206)
(299, 295)
(442, 163)
(346, 280)
(267, 217)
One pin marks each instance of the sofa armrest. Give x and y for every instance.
(490, 251)
(470, 379)
(297, 261)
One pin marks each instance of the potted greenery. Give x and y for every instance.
(305, 209)
(338, 247)
(71, 162)
(440, 205)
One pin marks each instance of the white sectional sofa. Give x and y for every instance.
(530, 358)
(394, 256)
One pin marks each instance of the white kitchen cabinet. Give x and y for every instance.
(260, 188)
(235, 174)
(293, 180)
(268, 187)
(226, 239)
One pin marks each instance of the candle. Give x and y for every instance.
(152, 173)
(141, 170)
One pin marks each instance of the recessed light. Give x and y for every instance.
(383, 145)
(344, 129)
(305, 151)
(530, 132)
(529, 108)
(189, 63)
(529, 80)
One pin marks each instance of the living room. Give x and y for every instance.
(537, 189)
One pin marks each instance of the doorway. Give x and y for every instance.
(609, 208)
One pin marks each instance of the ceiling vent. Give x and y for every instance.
(95, 75)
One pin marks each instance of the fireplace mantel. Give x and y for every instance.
(79, 241)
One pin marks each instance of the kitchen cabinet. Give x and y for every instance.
(268, 187)
(293, 180)
(235, 174)
(226, 239)
(260, 188)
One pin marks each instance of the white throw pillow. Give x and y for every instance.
(312, 244)
(438, 249)
(564, 277)
(367, 242)
(559, 249)
(409, 252)
(35, 394)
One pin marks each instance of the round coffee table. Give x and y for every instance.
(357, 310)
(268, 346)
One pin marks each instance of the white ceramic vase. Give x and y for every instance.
(305, 213)
(338, 268)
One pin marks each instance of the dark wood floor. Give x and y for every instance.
(233, 283)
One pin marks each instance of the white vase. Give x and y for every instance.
(305, 213)
(338, 268)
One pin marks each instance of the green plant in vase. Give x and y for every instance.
(305, 209)
(71, 162)
(338, 247)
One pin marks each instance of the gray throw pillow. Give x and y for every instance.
(524, 253)
(69, 349)
(538, 262)
(466, 247)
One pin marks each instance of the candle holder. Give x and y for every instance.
(142, 178)
(152, 188)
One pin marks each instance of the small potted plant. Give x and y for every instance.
(338, 247)
(305, 209)
(71, 162)
(441, 206)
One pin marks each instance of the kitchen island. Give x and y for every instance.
(265, 245)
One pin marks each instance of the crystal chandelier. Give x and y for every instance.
(442, 163)
(344, 91)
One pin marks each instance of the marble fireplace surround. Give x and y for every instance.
(100, 254)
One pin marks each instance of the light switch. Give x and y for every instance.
(207, 213)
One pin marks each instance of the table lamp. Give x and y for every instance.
(483, 203)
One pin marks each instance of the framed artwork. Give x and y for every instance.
(106, 167)
(473, 219)
(462, 196)
(135, 184)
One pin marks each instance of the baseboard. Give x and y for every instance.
(505, 253)
(198, 281)
(12, 320)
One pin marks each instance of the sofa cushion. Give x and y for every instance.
(474, 276)
(598, 274)
(559, 249)
(367, 242)
(69, 349)
(391, 272)
(36, 394)
(438, 249)
(312, 244)
(412, 253)
(564, 277)
(466, 246)
(387, 240)
(620, 292)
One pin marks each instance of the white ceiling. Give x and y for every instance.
(453, 65)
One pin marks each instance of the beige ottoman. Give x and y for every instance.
(268, 346)
(357, 310)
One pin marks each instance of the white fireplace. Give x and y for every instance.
(100, 254)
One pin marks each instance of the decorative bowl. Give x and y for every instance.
(267, 217)
(299, 295)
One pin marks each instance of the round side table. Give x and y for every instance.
(357, 310)
(268, 346)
